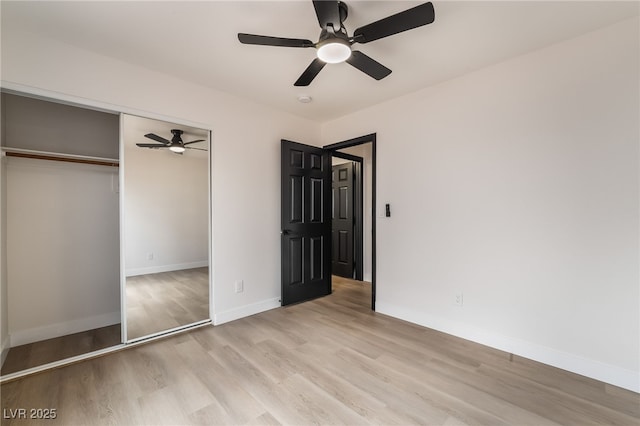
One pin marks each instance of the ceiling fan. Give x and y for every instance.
(175, 144)
(334, 44)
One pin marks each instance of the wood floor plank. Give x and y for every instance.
(463, 403)
(39, 353)
(344, 388)
(259, 386)
(327, 361)
(165, 300)
(313, 370)
(547, 401)
(236, 402)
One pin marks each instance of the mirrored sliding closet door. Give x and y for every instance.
(165, 233)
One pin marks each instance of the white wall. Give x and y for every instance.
(62, 243)
(4, 307)
(166, 203)
(517, 185)
(62, 239)
(246, 153)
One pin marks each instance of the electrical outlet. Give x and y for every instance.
(149, 256)
(459, 299)
(239, 286)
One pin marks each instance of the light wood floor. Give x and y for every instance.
(328, 361)
(162, 301)
(39, 353)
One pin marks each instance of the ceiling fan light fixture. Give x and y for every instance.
(334, 51)
(177, 148)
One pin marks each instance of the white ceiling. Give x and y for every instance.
(197, 41)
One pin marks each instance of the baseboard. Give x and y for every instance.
(51, 331)
(165, 268)
(617, 376)
(5, 350)
(245, 311)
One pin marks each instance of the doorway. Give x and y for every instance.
(360, 153)
(306, 219)
(346, 215)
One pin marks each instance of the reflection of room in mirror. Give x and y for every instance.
(166, 227)
(166, 300)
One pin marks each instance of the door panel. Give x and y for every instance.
(296, 199)
(343, 202)
(317, 195)
(306, 223)
(343, 220)
(343, 247)
(296, 256)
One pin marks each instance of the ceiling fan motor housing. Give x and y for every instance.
(333, 47)
(176, 135)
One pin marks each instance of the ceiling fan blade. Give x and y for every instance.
(157, 138)
(394, 24)
(367, 65)
(274, 41)
(327, 12)
(151, 145)
(310, 73)
(199, 149)
(199, 140)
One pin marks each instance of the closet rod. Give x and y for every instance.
(64, 159)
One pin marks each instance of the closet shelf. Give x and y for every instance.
(53, 156)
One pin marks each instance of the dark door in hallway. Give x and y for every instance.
(305, 222)
(342, 220)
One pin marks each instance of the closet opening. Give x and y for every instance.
(60, 232)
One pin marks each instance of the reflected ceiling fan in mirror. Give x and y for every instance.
(334, 44)
(175, 144)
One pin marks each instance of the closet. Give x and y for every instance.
(105, 242)
(60, 214)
